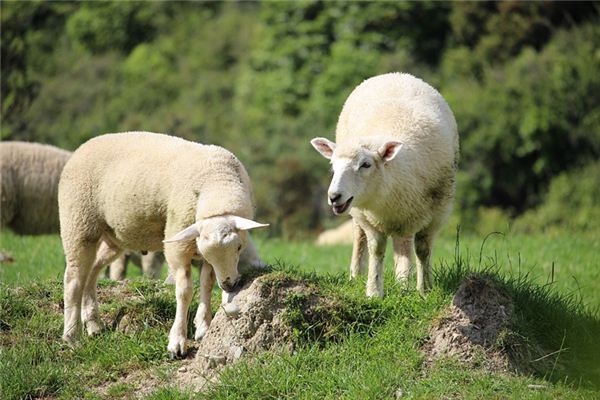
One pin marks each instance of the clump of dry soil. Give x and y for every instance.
(263, 322)
(471, 326)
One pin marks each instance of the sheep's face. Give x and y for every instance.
(354, 169)
(220, 240)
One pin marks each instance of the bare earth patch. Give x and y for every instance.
(471, 326)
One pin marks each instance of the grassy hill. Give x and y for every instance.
(554, 313)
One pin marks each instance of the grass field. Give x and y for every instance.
(554, 281)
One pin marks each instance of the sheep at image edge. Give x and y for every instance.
(133, 190)
(394, 167)
(29, 191)
(30, 173)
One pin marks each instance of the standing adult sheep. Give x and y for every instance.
(133, 190)
(394, 167)
(30, 173)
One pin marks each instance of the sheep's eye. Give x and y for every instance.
(240, 247)
(365, 165)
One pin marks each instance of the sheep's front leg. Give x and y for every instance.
(376, 244)
(183, 290)
(204, 313)
(403, 258)
(359, 246)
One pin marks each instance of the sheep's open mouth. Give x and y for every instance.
(339, 209)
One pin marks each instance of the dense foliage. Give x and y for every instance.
(523, 79)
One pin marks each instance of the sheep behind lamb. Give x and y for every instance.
(30, 173)
(394, 167)
(133, 190)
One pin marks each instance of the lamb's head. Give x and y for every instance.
(355, 167)
(220, 240)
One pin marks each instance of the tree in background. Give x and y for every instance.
(263, 78)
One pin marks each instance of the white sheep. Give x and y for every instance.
(338, 235)
(394, 167)
(30, 173)
(130, 191)
(29, 191)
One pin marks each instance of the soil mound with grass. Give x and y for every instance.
(471, 327)
(276, 313)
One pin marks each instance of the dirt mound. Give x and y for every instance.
(273, 310)
(471, 326)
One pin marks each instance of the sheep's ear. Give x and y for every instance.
(323, 146)
(244, 224)
(191, 232)
(389, 150)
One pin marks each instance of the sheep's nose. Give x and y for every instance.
(333, 197)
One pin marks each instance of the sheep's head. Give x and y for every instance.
(353, 168)
(220, 240)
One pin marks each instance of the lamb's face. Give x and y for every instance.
(220, 243)
(220, 240)
(354, 169)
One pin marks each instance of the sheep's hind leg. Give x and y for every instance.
(403, 258)
(117, 270)
(151, 264)
(106, 253)
(376, 243)
(359, 250)
(79, 260)
(204, 314)
(423, 246)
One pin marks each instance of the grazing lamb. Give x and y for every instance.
(394, 167)
(130, 191)
(30, 173)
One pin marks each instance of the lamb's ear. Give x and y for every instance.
(389, 150)
(244, 224)
(323, 146)
(191, 232)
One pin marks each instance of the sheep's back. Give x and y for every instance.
(400, 106)
(133, 182)
(30, 173)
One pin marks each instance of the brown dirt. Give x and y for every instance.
(471, 326)
(260, 326)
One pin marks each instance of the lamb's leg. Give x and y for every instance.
(423, 245)
(107, 252)
(359, 247)
(117, 270)
(181, 268)
(403, 258)
(79, 259)
(151, 264)
(376, 244)
(204, 313)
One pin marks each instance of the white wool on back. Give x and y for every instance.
(135, 182)
(30, 173)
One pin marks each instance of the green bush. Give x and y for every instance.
(572, 202)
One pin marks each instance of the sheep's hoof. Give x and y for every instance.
(231, 310)
(200, 332)
(374, 294)
(93, 328)
(177, 348)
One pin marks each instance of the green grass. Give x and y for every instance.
(375, 361)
